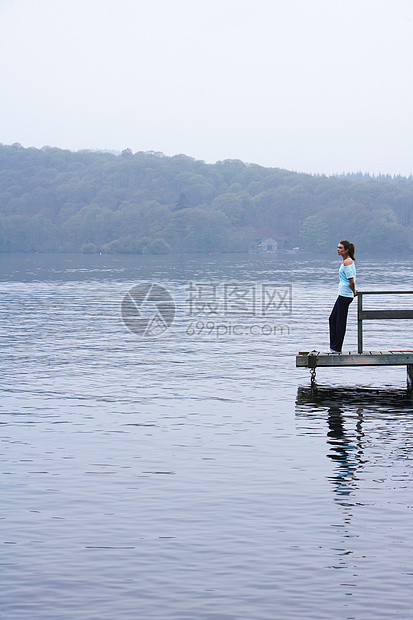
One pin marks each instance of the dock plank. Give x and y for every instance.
(315, 359)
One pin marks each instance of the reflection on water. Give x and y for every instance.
(347, 412)
(369, 441)
(345, 452)
(382, 399)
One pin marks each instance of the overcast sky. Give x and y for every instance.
(319, 86)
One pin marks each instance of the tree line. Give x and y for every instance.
(58, 200)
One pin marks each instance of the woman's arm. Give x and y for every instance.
(352, 286)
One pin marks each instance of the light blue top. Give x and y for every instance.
(345, 273)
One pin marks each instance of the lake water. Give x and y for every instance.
(194, 475)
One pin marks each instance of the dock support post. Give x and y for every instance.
(360, 322)
(410, 376)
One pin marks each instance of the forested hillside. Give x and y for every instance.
(58, 200)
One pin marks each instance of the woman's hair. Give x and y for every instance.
(349, 247)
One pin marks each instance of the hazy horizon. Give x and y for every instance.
(309, 86)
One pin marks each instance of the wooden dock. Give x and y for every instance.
(315, 359)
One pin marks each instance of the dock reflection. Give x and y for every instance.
(345, 411)
(345, 451)
(362, 426)
(381, 398)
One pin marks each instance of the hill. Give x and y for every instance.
(58, 200)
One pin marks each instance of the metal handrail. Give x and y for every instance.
(363, 315)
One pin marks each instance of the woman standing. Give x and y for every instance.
(346, 293)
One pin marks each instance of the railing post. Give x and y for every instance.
(410, 377)
(360, 322)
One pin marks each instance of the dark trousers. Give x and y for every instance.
(338, 322)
